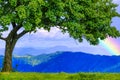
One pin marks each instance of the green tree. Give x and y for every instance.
(82, 19)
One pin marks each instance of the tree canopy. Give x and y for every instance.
(89, 19)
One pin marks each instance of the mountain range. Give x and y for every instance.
(70, 62)
(21, 51)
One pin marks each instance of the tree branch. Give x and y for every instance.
(13, 24)
(14, 30)
(21, 34)
(2, 38)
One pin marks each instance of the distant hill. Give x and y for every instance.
(1, 61)
(70, 62)
(37, 51)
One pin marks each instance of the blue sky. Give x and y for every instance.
(45, 40)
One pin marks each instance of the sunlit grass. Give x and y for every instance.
(59, 76)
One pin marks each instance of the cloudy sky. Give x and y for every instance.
(45, 40)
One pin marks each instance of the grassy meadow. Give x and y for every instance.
(59, 76)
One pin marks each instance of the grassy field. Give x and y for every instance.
(59, 76)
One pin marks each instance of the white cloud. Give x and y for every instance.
(54, 33)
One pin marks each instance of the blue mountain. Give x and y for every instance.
(70, 62)
(27, 63)
(1, 61)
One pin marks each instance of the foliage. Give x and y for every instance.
(59, 76)
(89, 19)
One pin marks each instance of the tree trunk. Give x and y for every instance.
(11, 40)
(7, 63)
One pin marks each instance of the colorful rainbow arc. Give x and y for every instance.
(111, 45)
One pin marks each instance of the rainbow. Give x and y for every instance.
(111, 46)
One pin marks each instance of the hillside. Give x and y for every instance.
(70, 62)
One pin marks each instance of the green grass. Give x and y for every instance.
(59, 76)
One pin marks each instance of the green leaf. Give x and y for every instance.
(13, 2)
(27, 26)
(21, 11)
